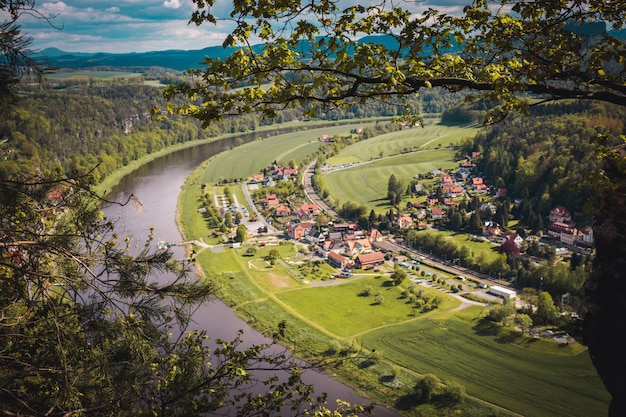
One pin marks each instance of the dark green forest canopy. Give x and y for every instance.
(552, 157)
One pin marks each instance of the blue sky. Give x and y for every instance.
(141, 25)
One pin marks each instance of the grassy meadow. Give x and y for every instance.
(431, 136)
(367, 183)
(500, 368)
(252, 157)
(529, 376)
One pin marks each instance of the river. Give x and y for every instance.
(157, 185)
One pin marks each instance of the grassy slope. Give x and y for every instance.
(253, 157)
(490, 366)
(367, 183)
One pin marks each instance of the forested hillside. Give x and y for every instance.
(80, 125)
(548, 159)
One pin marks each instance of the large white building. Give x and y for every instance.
(502, 292)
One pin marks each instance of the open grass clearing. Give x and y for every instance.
(346, 312)
(429, 137)
(252, 157)
(479, 249)
(367, 183)
(494, 367)
(190, 220)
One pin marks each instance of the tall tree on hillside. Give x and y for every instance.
(15, 60)
(497, 50)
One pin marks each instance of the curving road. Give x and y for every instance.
(311, 194)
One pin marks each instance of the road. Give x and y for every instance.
(311, 194)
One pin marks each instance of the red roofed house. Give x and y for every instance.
(309, 208)
(358, 246)
(271, 200)
(405, 221)
(369, 260)
(374, 235)
(336, 260)
(282, 210)
(436, 212)
(446, 179)
(298, 230)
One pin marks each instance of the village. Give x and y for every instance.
(346, 246)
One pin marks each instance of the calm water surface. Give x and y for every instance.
(157, 186)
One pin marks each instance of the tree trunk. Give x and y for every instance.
(605, 290)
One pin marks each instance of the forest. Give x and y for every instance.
(81, 125)
(549, 159)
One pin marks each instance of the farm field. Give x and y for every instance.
(526, 376)
(527, 379)
(432, 135)
(254, 156)
(366, 183)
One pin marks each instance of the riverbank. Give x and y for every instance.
(114, 179)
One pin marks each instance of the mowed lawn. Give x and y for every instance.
(252, 157)
(530, 380)
(344, 311)
(429, 137)
(367, 183)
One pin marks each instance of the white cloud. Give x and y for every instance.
(172, 4)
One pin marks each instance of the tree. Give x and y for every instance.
(273, 255)
(510, 247)
(546, 310)
(241, 233)
(16, 62)
(392, 186)
(497, 52)
(398, 276)
(228, 219)
(475, 223)
(524, 321)
(426, 387)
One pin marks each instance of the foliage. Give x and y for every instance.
(311, 56)
(16, 63)
(546, 160)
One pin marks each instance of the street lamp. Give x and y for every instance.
(541, 284)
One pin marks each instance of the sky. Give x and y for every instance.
(123, 26)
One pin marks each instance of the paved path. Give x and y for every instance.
(311, 194)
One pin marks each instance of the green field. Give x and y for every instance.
(528, 380)
(514, 372)
(367, 183)
(432, 135)
(348, 313)
(252, 157)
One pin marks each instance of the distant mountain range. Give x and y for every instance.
(182, 59)
(175, 59)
